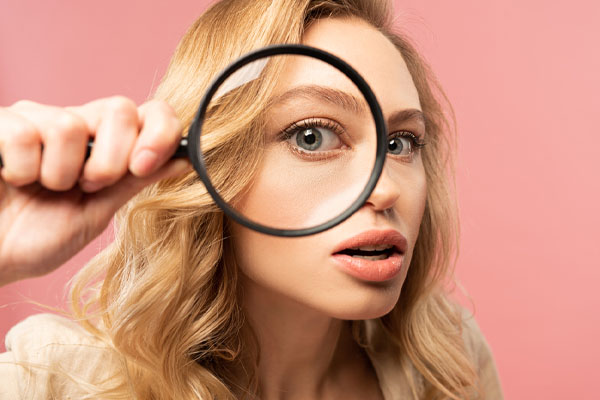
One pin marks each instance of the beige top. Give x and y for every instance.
(56, 342)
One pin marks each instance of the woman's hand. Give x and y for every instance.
(53, 202)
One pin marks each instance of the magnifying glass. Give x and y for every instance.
(289, 140)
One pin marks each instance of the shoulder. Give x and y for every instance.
(394, 374)
(51, 337)
(47, 353)
(481, 354)
(475, 342)
(45, 329)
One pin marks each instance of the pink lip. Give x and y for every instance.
(373, 271)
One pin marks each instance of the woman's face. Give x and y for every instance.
(309, 270)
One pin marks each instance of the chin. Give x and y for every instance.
(373, 301)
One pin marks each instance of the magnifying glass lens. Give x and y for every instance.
(288, 142)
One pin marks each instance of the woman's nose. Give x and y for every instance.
(386, 192)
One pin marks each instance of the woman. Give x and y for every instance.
(187, 304)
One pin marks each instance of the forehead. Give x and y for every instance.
(365, 49)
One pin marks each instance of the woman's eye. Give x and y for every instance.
(315, 139)
(400, 145)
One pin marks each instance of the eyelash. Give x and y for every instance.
(417, 143)
(311, 123)
(287, 133)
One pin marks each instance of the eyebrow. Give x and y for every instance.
(348, 101)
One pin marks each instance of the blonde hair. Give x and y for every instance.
(165, 293)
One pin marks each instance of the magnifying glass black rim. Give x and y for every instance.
(195, 130)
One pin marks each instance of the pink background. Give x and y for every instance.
(524, 79)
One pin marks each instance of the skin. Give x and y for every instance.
(297, 300)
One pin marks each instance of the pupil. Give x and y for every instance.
(309, 139)
(394, 146)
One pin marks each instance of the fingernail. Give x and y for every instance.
(144, 163)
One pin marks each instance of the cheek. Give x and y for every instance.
(414, 208)
(420, 200)
(288, 193)
(410, 206)
(271, 261)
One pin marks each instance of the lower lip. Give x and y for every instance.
(370, 270)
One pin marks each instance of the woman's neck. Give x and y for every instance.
(303, 353)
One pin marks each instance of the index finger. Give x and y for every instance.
(161, 132)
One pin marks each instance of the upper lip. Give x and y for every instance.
(375, 237)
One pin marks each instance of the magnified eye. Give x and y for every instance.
(312, 139)
(314, 136)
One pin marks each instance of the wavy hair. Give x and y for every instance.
(165, 293)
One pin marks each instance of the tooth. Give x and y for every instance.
(371, 248)
(373, 258)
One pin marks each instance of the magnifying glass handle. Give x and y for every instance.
(181, 152)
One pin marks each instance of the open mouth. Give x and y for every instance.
(369, 254)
